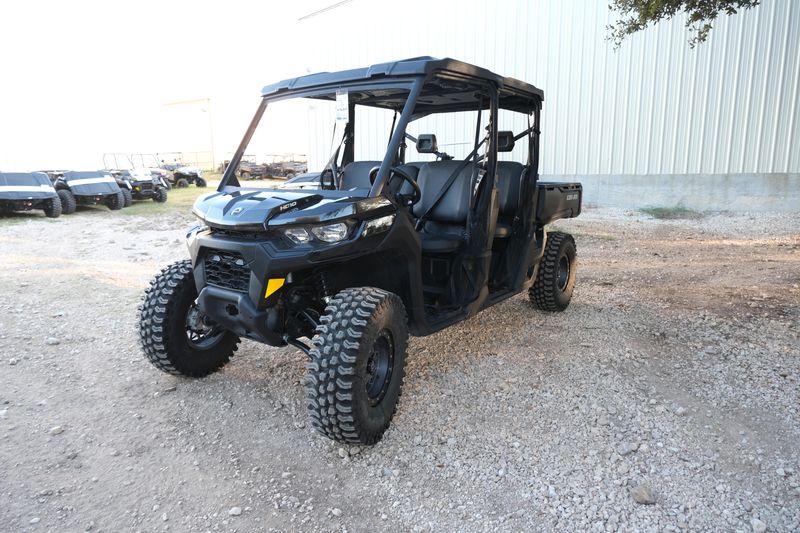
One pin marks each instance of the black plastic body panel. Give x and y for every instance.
(25, 205)
(387, 260)
(22, 188)
(557, 200)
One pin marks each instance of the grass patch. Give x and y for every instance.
(10, 219)
(178, 200)
(672, 213)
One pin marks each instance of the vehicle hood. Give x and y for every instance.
(256, 210)
(309, 180)
(25, 186)
(189, 170)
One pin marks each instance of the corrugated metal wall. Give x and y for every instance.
(655, 106)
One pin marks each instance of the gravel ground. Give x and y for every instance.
(665, 398)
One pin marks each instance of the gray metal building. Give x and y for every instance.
(653, 123)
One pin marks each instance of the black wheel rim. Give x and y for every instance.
(563, 272)
(379, 367)
(202, 333)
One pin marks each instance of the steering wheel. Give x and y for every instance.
(415, 197)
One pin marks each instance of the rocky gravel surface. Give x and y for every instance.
(666, 398)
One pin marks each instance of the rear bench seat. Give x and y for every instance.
(509, 180)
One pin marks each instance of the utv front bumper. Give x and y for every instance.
(232, 275)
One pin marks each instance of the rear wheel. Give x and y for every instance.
(200, 182)
(68, 203)
(245, 175)
(176, 336)
(181, 183)
(357, 365)
(160, 195)
(127, 196)
(53, 208)
(555, 280)
(116, 202)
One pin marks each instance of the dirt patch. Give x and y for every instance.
(676, 367)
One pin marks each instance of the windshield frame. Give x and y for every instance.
(230, 182)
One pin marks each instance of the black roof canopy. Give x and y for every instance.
(450, 85)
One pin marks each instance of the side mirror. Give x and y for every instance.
(326, 180)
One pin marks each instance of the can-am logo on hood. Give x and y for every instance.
(237, 211)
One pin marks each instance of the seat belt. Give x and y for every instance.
(421, 221)
(445, 187)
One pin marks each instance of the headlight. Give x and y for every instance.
(377, 225)
(331, 232)
(328, 233)
(298, 235)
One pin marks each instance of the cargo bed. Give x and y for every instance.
(556, 200)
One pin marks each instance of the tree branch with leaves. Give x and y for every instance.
(636, 15)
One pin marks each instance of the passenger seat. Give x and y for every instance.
(445, 227)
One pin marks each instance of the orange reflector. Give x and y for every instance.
(273, 285)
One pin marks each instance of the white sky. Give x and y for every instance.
(80, 78)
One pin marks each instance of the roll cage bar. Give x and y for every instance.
(446, 91)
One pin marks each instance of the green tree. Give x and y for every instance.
(636, 15)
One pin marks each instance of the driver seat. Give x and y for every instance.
(444, 230)
(355, 175)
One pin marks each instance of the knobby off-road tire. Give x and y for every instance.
(127, 197)
(68, 203)
(160, 195)
(53, 208)
(166, 331)
(555, 280)
(357, 365)
(116, 202)
(200, 182)
(245, 175)
(181, 183)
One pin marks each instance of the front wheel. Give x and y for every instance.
(68, 203)
(200, 182)
(127, 196)
(160, 196)
(357, 365)
(52, 208)
(175, 335)
(555, 281)
(116, 201)
(181, 183)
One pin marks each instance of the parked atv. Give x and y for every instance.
(138, 184)
(281, 166)
(24, 191)
(174, 174)
(384, 249)
(87, 188)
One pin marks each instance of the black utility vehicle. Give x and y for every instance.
(87, 188)
(280, 166)
(24, 191)
(140, 184)
(385, 248)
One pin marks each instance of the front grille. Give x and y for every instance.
(227, 270)
(250, 235)
(146, 186)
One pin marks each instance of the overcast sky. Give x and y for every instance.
(80, 78)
